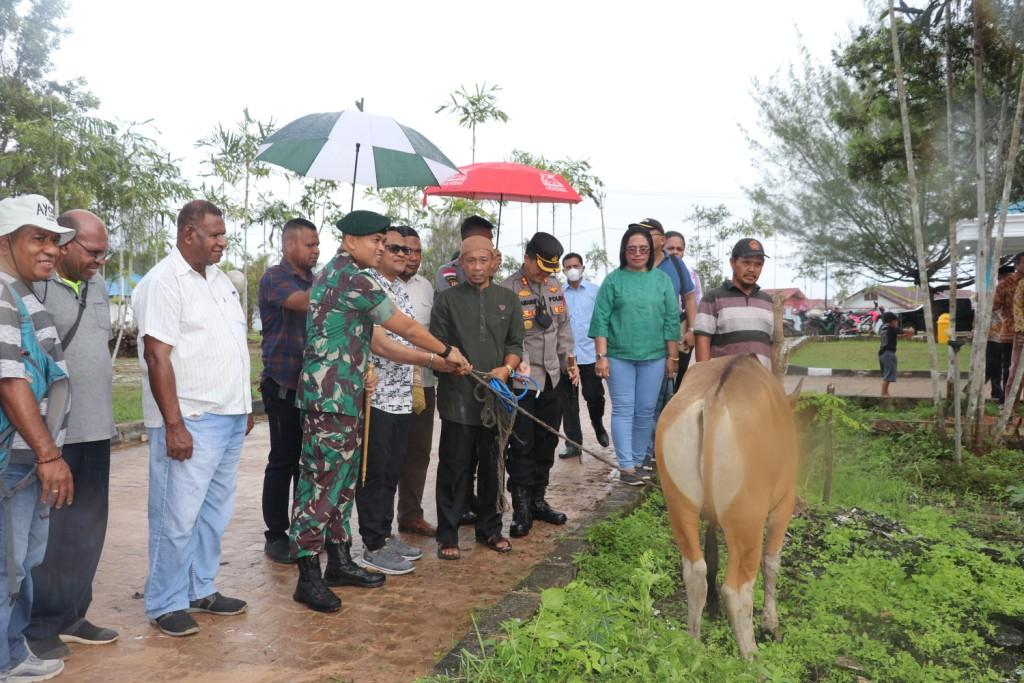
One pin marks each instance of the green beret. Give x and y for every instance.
(362, 222)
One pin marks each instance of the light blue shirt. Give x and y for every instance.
(580, 301)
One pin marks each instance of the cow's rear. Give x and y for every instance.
(727, 450)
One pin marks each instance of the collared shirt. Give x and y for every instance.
(581, 301)
(682, 285)
(638, 313)
(90, 371)
(202, 319)
(486, 325)
(449, 275)
(284, 331)
(736, 322)
(421, 293)
(545, 349)
(11, 359)
(394, 388)
(1002, 328)
(344, 304)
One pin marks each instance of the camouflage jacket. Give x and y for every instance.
(344, 304)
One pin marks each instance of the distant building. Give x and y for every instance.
(794, 299)
(893, 298)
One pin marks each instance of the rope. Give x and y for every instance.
(494, 393)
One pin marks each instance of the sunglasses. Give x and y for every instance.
(638, 250)
(398, 249)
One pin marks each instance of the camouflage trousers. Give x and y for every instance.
(328, 471)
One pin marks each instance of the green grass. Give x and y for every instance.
(862, 354)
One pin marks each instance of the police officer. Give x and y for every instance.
(547, 347)
(344, 304)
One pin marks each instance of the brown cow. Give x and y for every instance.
(727, 451)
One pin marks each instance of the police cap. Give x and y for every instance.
(547, 249)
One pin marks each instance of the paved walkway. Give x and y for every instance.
(395, 633)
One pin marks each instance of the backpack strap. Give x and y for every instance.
(682, 283)
(65, 341)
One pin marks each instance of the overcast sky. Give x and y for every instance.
(654, 94)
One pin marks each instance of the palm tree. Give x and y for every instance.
(474, 108)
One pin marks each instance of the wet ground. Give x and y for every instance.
(395, 633)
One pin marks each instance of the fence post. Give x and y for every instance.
(778, 337)
(827, 494)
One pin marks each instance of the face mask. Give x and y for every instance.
(574, 275)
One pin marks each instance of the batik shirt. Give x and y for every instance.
(344, 305)
(394, 388)
(1002, 328)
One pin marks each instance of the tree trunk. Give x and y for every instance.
(953, 371)
(915, 210)
(604, 234)
(245, 249)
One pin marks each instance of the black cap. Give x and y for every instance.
(748, 247)
(362, 222)
(475, 224)
(649, 224)
(547, 249)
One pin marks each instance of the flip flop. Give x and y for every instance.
(449, 556)
(493, 542)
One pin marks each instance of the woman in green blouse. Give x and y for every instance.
(636, 333)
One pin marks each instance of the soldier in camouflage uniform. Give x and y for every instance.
(344, 305)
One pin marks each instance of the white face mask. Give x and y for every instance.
(574, 275)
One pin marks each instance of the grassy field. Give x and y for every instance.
(914, 572)
(862, 354)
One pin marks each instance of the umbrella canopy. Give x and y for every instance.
(503, 181)
(360, 148)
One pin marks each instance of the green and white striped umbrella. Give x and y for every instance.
(357, 148)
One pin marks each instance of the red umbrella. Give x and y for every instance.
(506, 182)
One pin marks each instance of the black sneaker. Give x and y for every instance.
(85, 632)
(177, 624)
(49, 648)
(218, 604)
(630, 479)
(648, 464)
(569, 452)
(602, 436)
(279, 550)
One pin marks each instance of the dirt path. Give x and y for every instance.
(392, 634)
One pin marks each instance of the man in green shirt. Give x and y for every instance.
(344, 305)
(486, 322)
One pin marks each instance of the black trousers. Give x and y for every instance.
(997, 366)
(385, 455)
(531, 450)
(460, 444)
(62, 584)
(593, 394)
(417, 459)
(282, 473)
(684, 362)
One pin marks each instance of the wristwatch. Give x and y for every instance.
(599, 356)
(447, 351)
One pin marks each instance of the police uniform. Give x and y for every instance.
(448, 275)
(547, 344)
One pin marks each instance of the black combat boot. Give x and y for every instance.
(311, 590)
(342, 571)
(521, 518)
(540, 509)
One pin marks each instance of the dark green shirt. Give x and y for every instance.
(486, 325)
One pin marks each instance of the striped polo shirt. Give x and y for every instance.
(738, 324)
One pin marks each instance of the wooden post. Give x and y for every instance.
(778, 338)
(827, 494)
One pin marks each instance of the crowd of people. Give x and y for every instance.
(357, 357)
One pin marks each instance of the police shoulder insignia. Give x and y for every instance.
(553, 289)
(527, 324)
(524, 292)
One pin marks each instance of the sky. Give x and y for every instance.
(657, 95)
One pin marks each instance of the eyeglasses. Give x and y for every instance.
(398, 249)
(638, 250)
(98, 254)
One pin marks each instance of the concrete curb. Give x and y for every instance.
(554, 571)
(842, 372)
(128, 433)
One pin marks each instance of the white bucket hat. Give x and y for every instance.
(31, 209)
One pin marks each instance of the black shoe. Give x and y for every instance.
(602, 436)
(648, 463)
(468, 518)
(177, 624)
(569, 452)
(540, 509)
(311, 589)
(522, 521)
(49, 648)
(218, 604)
(342, 571)
(279, 550)
(84, 632)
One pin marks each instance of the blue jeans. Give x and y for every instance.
(634, 387)
(31, 523)
(190, 505)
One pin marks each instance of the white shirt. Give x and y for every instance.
(202, 319)
(421, 293)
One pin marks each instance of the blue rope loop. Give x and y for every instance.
(506, 397)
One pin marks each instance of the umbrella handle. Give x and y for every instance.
(366, 433)
(352, 202)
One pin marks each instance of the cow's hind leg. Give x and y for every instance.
(778, 522)
(744, 542)
(695, 569)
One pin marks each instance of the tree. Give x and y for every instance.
(401, 204)
(596, 258)
(587, 185)
(715, 229)
(317, 202)
(443, 239)
(474, 108)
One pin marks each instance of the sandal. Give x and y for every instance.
(444, 552)
(497, 543)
